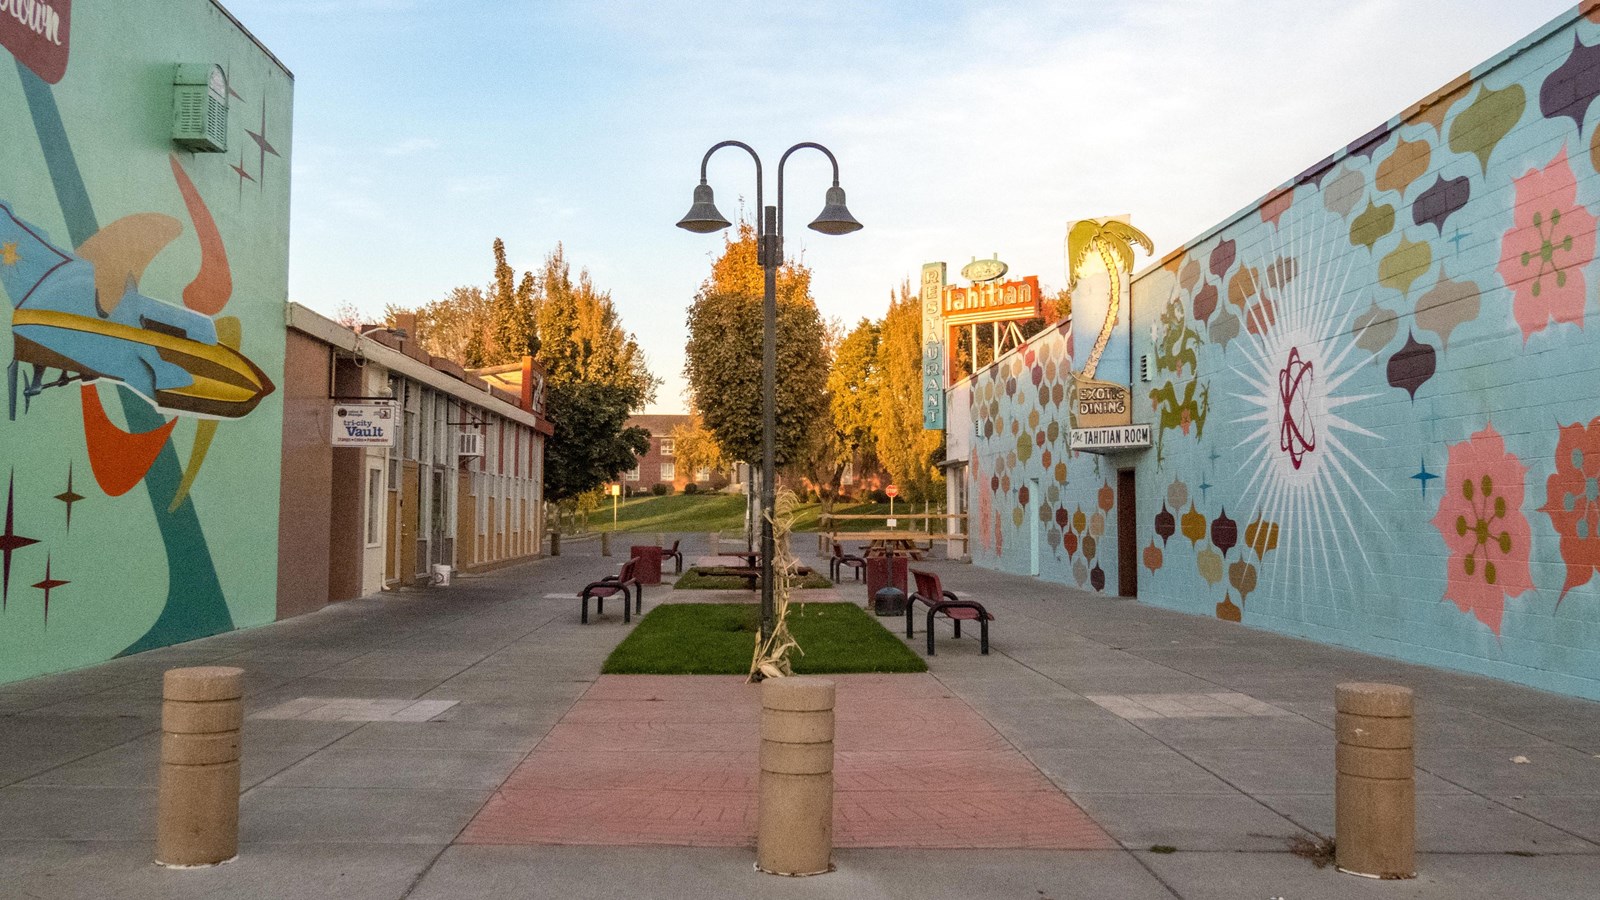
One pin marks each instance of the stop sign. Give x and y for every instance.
(891, 491)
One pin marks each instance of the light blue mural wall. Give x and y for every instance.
(1374, 396)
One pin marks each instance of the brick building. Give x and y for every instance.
(660, 465)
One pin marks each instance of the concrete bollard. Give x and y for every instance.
(555, 543)
(605, 543)
(714, 542)
(197, 810)
(1375, 803)
(794, 831)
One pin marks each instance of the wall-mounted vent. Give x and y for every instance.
(469, 443)
(200, 108)
(1144, 367)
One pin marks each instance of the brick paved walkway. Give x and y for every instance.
(643, 760)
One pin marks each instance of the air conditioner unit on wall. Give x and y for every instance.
(200, 108)
(469, 443)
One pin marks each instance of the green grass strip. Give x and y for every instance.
(696, 578)
(692, 513)
(719, 639)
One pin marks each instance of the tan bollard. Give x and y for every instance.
(197, 817)
(794, 832)
(1375, 803)
(605, 543)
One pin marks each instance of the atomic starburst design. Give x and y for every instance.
(1305, 474)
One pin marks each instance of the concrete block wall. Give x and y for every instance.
(1374, 395)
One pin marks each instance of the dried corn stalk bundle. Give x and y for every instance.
(772, 656)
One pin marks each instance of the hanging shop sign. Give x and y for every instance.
(993, 301)
(370, 423)
(1114, 439)
(1101, 404)
(933, 349)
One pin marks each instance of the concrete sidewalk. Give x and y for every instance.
(1166, 729)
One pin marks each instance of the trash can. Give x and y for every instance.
(885, 571)
(890, 601)
(441, 574)
(647, 563)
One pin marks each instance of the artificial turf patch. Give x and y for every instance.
(719, 639)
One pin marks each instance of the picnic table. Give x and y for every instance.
(894, 541)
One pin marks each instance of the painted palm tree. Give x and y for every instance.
(1114, 242)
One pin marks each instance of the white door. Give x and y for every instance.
(375, 503)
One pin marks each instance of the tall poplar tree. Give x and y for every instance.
(907, 452)
(596, 376)
(512, 309)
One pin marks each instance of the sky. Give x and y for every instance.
(423, 130)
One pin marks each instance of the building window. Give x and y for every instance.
(667, 446)
(702, 474)
(633, 473)
(669, 471)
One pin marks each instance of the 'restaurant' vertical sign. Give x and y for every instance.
(933, 351)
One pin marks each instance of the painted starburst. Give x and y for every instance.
(1305, 472)
(8, 254)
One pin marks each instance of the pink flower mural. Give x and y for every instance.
(1483, 527)
(1572, 501)
(1543, 254)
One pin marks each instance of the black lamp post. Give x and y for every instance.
(703, 218)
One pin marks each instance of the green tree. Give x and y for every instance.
(695, 447)
(723, 352)
(513, 310)
(596, 376)
(907, 452)
(456, 326)
(853, 386)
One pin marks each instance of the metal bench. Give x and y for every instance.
(610, 586)
(938, 600)
(840, 559)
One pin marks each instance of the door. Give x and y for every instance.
(375, 505)
(1127, 536)
(438, 519)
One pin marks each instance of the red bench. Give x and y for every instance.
(840, 559)
(610, 586)
(938, 600)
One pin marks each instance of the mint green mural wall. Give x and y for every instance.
(143, 334)
(1373, 398)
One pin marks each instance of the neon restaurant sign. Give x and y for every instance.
(993, 301)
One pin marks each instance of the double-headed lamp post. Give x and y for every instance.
(703, 218)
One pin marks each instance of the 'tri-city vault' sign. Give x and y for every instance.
(366, 424)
